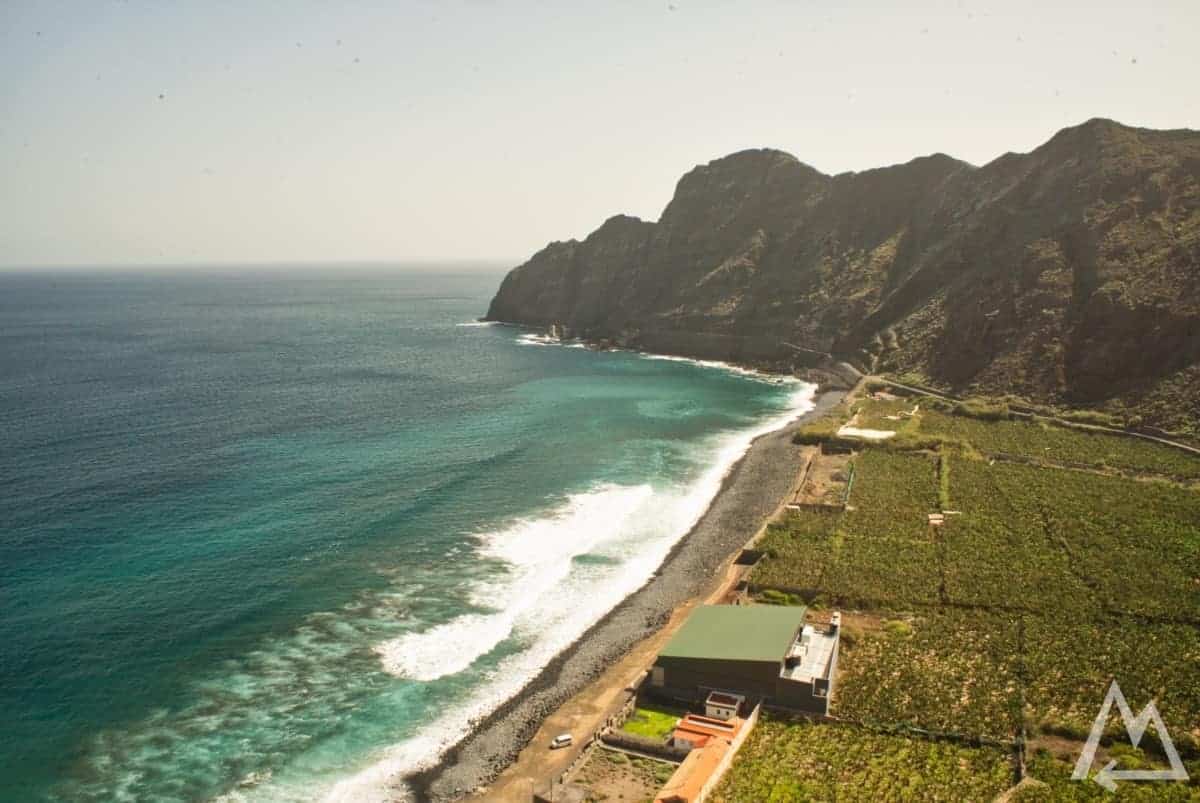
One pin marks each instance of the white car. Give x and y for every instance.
(561, 740)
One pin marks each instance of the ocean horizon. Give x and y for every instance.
(272, 537)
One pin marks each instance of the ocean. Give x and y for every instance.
(277, 536)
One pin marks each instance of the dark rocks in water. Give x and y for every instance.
(1070, 274)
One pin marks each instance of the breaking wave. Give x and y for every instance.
(522, 595)
(553, 598)
(538, 339)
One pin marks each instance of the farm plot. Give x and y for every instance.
(809, 554)
(804, 761)
(1135, 544)
(953, 671)
(1022, 609)
(892, 495)
(1070, 663)
(1054, 775)
(1044, 441)
(881, 573)
(887, 414)
(998, 552)
(797, 549)
(882, 554)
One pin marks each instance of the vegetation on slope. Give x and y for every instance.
(1066, 275)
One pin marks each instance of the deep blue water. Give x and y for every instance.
(278, 537)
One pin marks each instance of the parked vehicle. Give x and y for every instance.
(561, 740)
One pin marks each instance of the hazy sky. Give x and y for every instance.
(174, 132)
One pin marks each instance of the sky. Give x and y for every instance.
(283, 132)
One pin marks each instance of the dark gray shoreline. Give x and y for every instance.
(751, 491)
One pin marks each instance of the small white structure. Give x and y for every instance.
(723, 705)
(848, 431)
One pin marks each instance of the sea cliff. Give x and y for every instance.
(1070, 274)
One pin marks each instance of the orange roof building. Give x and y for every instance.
(696, 731)
(691, 780)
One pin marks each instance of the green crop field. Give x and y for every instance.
(999, 553)
(1029, 538)
(893, 493)
(1074, 563)
(1136, 543)
(1055, 784)
(1053, 443)
(878, 554)
(1056, 540)
(945, 670)
(887, 573)
(968, 671)
(797, 549)
(1071, 661)
(811, 554)
(803, 762)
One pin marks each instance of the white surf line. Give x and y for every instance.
(721, 365)
(540, 339)
(539, 551)
(377, 781)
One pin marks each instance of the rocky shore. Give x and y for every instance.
(750, 492)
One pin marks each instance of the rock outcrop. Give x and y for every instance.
(1070, 274)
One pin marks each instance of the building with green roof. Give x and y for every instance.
(764, 652)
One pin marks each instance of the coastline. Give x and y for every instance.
(750, 492)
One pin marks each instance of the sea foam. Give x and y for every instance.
(537, 339)
(635, 525)
(537, 602)
(540, 552)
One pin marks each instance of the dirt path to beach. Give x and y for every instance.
(577, 690)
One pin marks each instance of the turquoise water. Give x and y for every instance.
(282, 538)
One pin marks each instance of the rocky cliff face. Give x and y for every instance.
(1070, 274)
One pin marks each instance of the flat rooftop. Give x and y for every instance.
(721, 698)
(814, 649)
(737, 633)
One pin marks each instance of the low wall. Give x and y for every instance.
(1146, 433)
(641, 744)
(727, 759)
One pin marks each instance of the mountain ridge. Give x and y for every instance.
(1069, 274)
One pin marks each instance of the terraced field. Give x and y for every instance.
(998, 553)
(944, 670)
(1048, 442)
(1055, 784)
(1070, 663)
(802, 762)
(878, 554)
(1055, 575)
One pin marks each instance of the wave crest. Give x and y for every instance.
(638, 525)
(539, 553)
